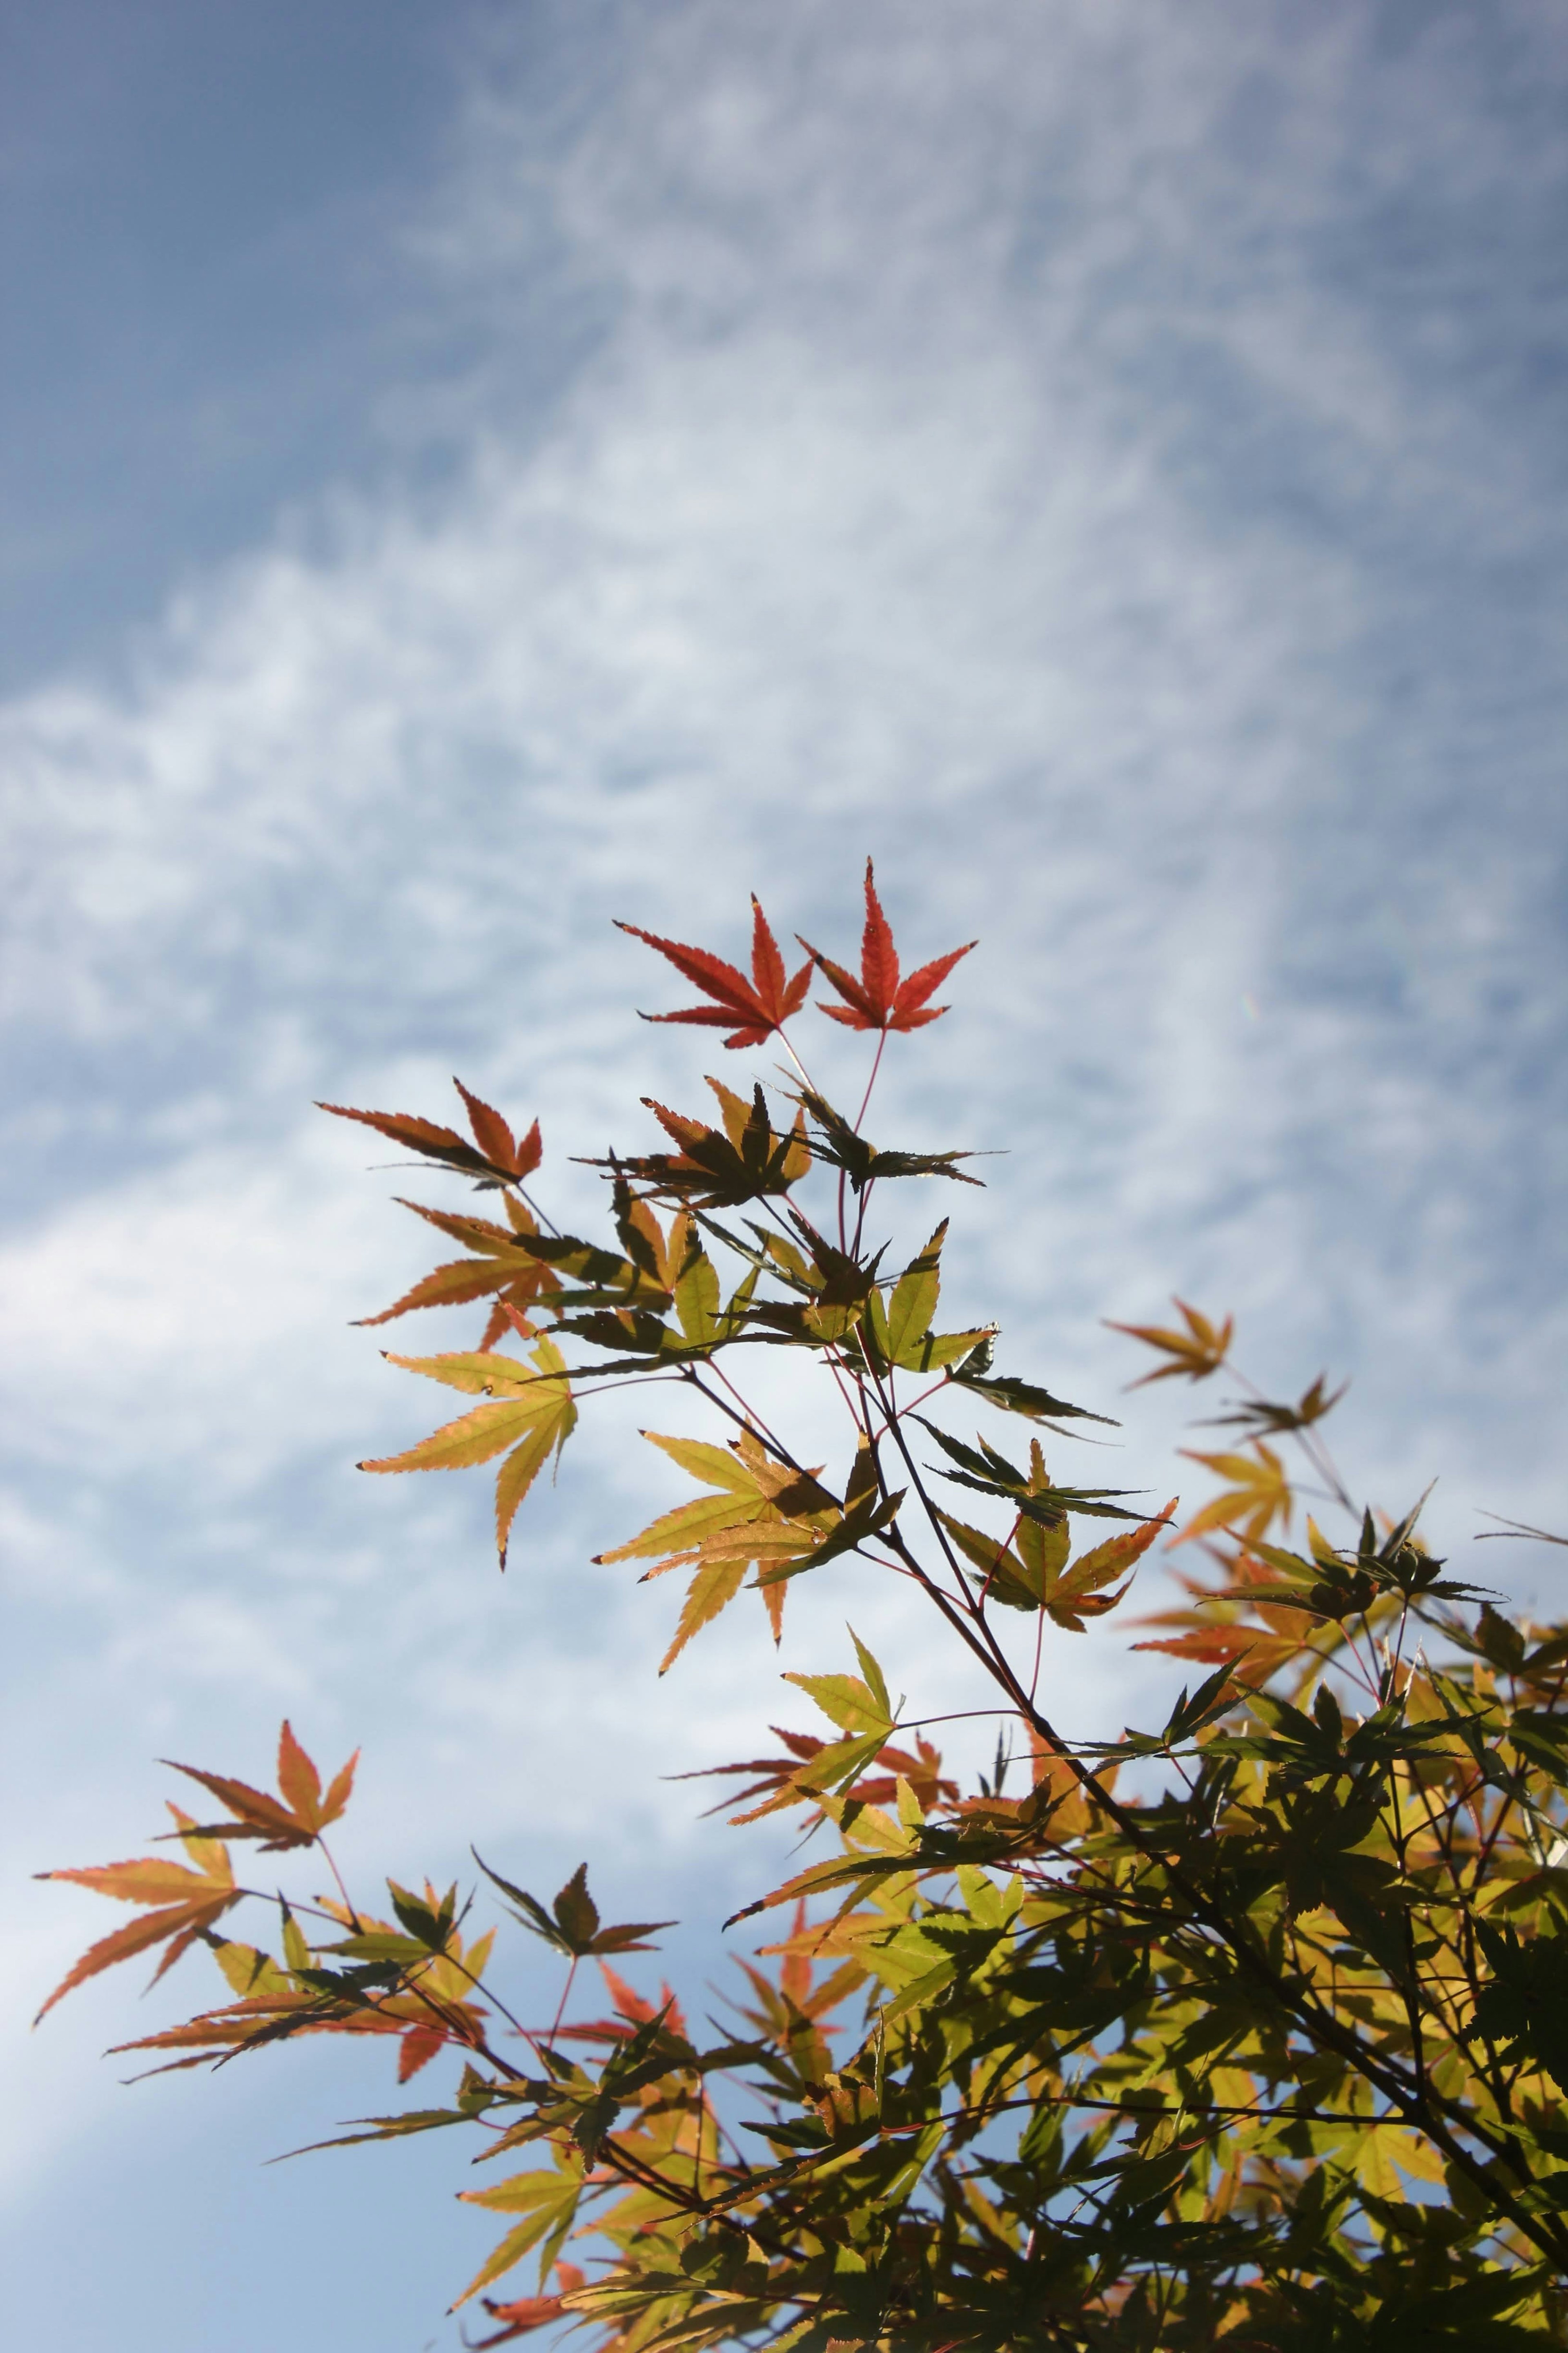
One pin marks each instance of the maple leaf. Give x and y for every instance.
(506, 1263)
(324, 2002)
(861, 1708)
(718, 1170)
(880, 1000)
(632, 2011)
(301, 1784)
(529, 2312)
(534, 1418)
(498, 1159)
(1023, 1398)
(410, 1980)
(1261, 1494)
(1032, 1572)
(295, 1818)
(419, 2046)
(549, 2202)
(842, 1146)
(1254, 1653)
(752, 1009)
(184, 1903)
(1195, 1353)
(1034, 1493)
(1217, 1623)
(763, 1511)
(921, 1768)
(1277, 1421)
(572, 1923)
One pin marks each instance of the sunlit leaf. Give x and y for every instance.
(879, 999)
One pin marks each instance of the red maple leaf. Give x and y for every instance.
(880, 1000)
(752, 1008)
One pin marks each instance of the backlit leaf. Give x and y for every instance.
(1193, 1354)
(1260, 1493)
(548, 2201)
(494, 1156)
(880, 1000)
(751, 1009)
(534, 1417)
(715, 1583)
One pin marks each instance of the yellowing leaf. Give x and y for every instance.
(481, 1372)
(517, 1476)
(697, 1297)
(716, 1464)
(764, 1510)
(716, 1582)
(547, 2201)
(250, 1972)
(460, 1280)
(1107, 1561)
(1078, 1590)
(875, 1680)
(676, 1536)
(1261, 1495)
(1195, 1353)
(477, 1437)
(845, 1701)
(175, 1925)
(1387, 2151)
(915, 1295)
(535, 1416)
(150, 1880)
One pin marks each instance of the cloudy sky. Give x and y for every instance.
(475, 474)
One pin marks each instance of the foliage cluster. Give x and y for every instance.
(1246, 2030)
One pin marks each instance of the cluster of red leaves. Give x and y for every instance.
(753, 1009)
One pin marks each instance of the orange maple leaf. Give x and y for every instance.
(185, 1904)
(1195, 1353)
(420, 2045)
(753, 1009)
(294, 1818)
(880, 1000)
(1261, 1495)
(499, 1153)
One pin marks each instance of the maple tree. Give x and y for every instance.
(1248, 2029)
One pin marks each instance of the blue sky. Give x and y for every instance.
(470, 481)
